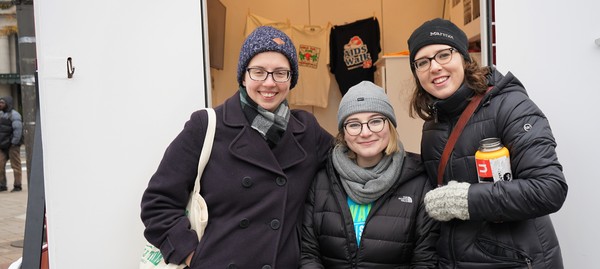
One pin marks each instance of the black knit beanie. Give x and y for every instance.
(438, 31)
(267, 38)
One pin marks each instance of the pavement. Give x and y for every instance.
(13, 209)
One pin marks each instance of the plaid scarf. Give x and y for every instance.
(270, 125)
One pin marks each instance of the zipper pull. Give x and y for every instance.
(528, 261)
(434, 112)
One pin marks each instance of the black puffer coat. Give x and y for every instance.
(509, 226)
(398, 232)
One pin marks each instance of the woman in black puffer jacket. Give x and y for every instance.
(504, 224)
(365, 209)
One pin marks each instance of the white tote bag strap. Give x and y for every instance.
(197, 209)
(207, 147)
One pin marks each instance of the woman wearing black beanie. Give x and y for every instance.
(504, 224)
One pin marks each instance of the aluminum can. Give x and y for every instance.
(493, 161)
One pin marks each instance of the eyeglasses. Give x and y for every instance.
(441, 57)
(259, 74)
(375, 125)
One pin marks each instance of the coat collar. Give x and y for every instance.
(251, 147)
(456, 103)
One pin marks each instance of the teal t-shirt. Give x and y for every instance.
(359, 216)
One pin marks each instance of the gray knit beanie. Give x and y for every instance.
(438, 31)
(365, 97)
(267, 38)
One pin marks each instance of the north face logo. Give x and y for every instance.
(405, 199)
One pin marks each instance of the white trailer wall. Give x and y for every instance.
(139, 73)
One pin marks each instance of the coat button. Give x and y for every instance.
(232, 266)
(244, 223)
(266, 267)
(275, 224)
(247, 182)
(280, 181)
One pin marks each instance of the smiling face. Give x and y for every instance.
(441, 81)
(268, 94)
(367, 145)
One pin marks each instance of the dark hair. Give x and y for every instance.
(476, 78)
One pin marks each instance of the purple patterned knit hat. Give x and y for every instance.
(267, 38)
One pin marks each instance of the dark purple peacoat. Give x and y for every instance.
(255, 194)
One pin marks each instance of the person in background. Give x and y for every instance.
(264, 159)
(505, 224)
(365, 209)
(11, 138)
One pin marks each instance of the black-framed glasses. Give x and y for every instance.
(259, 74)
(375, 125)
(441, 57)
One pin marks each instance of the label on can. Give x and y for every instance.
(493, 170)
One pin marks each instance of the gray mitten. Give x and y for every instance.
(448, 202)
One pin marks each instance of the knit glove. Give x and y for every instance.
(448, 202)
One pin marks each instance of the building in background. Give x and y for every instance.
(9, 68)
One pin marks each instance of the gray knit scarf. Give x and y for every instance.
(270, 125)
(367, 185)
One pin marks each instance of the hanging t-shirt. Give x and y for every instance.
(312, 45)
(355, 47)
(253, 21)
(359, 212)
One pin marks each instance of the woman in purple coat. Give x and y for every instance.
(263, 161)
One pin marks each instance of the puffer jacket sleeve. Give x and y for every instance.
(310, 257)
(428, 232)
(17, 125)
(538, 187)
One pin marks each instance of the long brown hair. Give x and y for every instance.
(475, 77)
